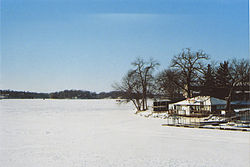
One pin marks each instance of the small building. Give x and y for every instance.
(198, 106)
(162, 105)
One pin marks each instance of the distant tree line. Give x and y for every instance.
(189, 74)
(11, 94)
(66, 94)
(80, 94)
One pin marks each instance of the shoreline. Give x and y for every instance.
(175, 122)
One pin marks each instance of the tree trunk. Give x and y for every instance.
(189, 85)
(146, 104)
(136, 106)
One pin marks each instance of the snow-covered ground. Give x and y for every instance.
(101, 133)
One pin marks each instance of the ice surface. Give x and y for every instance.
(101, 133)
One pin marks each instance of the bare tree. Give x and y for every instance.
(190, 65)
(137, 83)
(168, 83)
(130, 88)
(144, 71)
(239, 76)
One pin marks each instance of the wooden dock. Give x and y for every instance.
(208, 127)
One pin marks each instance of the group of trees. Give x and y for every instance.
(184, 72)
(73, 94)
(22, 94)
(66, 94)
(229, 80)
(189, 74)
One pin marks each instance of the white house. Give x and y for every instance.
(199, 104)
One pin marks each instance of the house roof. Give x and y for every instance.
(202, 100)
(240, 102)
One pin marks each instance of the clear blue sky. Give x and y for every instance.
(51, 45)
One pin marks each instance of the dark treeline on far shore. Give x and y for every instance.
(66, 94)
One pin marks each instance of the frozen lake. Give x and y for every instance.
(101, 133)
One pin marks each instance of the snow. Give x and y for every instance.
(205, 100)
(242, 109)
(101, 133)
